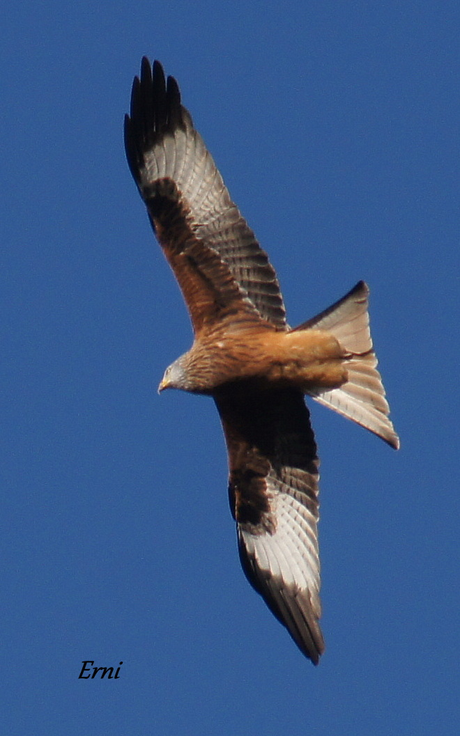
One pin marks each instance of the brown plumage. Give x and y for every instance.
(246, 357)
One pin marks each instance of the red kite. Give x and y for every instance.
(244, 355)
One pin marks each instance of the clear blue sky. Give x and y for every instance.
(336, 128)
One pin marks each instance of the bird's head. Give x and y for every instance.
(176, 376)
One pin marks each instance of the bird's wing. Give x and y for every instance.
(273, 487)
(191, 211)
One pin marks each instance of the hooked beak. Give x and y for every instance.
(164, 383)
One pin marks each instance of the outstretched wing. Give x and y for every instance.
(216, 259)
(273, 488)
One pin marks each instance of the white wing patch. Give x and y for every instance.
(291, 552)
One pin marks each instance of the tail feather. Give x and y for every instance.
(362, 397)
(347, 320)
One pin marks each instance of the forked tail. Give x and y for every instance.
(362, 397)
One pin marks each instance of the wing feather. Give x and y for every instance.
(165, 151)
(273, 488)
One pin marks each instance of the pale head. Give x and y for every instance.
(176, 376)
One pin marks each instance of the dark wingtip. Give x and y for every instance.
(394, 442)
(155, 111)
(130, 148)
(146, 68)
(361, 286)
(287, 606)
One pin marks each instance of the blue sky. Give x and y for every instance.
(336, 128)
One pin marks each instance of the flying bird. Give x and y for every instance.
(256, 368)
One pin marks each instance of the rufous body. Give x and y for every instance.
(304, 359)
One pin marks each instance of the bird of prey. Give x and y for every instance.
(256, 368)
